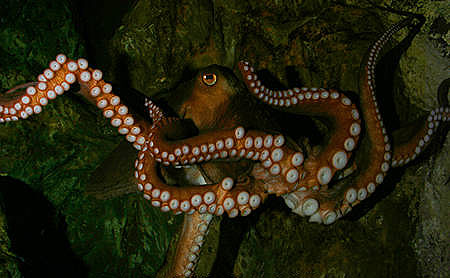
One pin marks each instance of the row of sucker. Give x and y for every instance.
(236, 143)
(193, 255)
(435, 117)
(57, 79)
(154, 111)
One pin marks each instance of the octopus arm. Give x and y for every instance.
(379, 147)
(377, 163)
(195, 228)
(57, 79)
(226, 196)
(382, 153)
(407, 148)
(409, 141)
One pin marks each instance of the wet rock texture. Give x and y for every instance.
(152, 46)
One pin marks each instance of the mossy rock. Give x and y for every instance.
(153, 46)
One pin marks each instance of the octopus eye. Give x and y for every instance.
(209, 79)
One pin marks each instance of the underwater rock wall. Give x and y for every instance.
(153, 46)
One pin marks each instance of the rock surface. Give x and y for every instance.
(153, 46)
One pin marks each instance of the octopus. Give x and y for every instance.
(224, 138)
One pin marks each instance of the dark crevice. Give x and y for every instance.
(37, 233)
